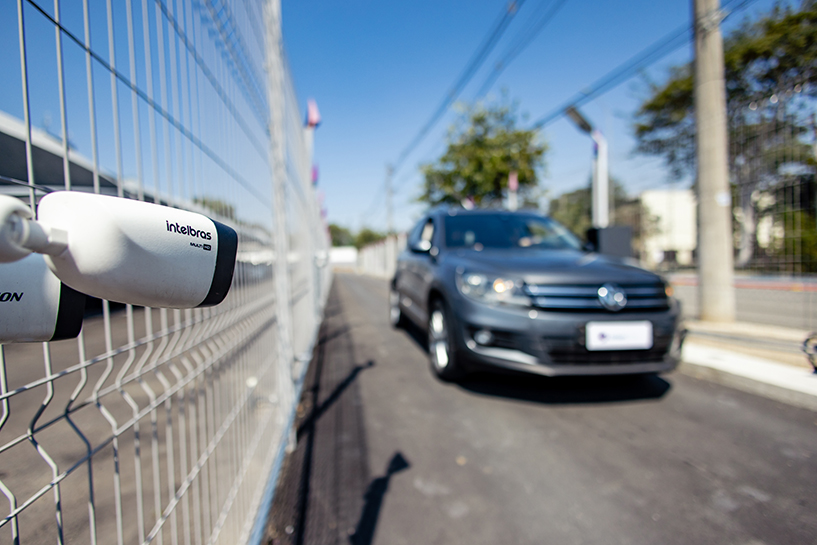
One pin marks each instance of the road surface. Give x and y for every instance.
(387, 454)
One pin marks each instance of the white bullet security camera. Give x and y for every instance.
(35, 305)
(124, 250)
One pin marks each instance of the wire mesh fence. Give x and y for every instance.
(380, 258)
(772, 160)
(159, 425)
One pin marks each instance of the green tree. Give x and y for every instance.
(778, 52)
(574, 211)
(367, 236)
(341, 236)
(484, 147)
(797, 251)
(217, 206)
(770, 67)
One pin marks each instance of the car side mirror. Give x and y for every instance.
(589, 247)
(422, 247)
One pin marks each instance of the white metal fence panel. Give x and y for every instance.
(159, 425)
(380, 258)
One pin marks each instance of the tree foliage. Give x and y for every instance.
(799, 241)
(770, 72)
(217, 206)
(771, 56)
(368, 236)
(574, 211)
(484, 147)
(341, 236)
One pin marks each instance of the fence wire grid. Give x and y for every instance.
(772, 164)
(160, 425)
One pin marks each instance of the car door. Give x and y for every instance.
(424, 263)
(405, 280)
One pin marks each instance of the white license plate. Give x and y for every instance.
(619, 335)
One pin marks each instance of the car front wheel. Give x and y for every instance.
(442, 355)
(396, 317)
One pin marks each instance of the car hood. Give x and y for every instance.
(552, 266)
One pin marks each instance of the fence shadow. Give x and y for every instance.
(317, 411)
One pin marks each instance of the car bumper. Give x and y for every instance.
(553, 343)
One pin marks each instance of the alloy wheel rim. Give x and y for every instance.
(439, 339)
(394, 306)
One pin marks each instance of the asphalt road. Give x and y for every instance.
(387, 454)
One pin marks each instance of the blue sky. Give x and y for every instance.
(379, 69)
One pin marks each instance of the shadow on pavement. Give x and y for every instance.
(417, 335)
(568, 390)
(327, 336)
(318, 410)
(364, 531)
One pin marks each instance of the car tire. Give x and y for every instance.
(442, 354)
(397, 318)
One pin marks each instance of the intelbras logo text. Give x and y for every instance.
(188, 230)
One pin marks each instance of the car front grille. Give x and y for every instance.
(568, 352)
(640, 297)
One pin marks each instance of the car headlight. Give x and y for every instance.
(492, 289)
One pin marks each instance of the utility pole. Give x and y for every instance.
(715, 253)
(389, 211)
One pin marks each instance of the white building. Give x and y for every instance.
(343, 257)
(670, 226)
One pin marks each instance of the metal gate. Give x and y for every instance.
(160, 425)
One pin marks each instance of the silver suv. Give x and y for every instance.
(516, 291)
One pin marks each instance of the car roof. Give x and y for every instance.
(459, 211)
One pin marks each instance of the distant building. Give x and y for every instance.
(343, 257)
(671, 229)
(47, 159)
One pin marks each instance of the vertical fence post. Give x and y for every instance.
(275, 93)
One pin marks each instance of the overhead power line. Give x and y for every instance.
(538, 20)
(522, 40)
(479, 56)
(653, 53)
(670, 42)
(375, 201)
(485, 48)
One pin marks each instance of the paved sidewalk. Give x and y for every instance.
(760, 359)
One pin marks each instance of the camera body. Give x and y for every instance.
(139, 253)
(35, 305)
(117, 249)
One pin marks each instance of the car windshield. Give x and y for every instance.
(480, 231)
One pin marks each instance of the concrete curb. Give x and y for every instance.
(791, 385)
